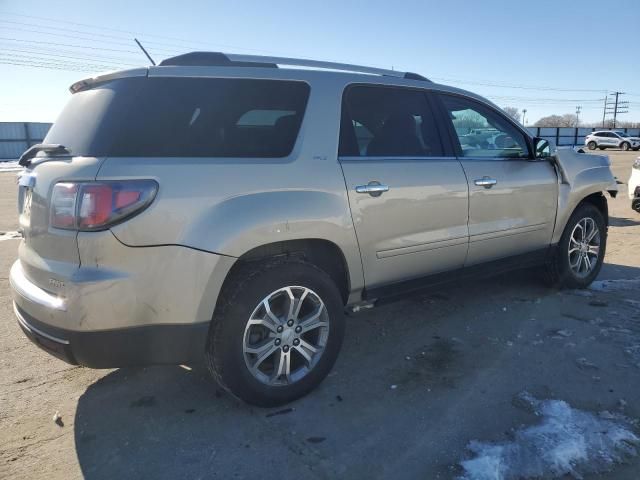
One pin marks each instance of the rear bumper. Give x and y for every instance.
(136, 346)
(123, 307)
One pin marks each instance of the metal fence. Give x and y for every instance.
(570, 136)
(16, 137)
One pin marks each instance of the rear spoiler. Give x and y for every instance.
(91, 82)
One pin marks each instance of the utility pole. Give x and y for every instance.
(578, 108)
(604, 110)
(614, 108)
(619, 107)
(524, 113)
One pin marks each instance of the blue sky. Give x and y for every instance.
(565, 53)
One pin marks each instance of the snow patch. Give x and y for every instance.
(615, 285)
(9, 235)
(9, 166)
(566, 441)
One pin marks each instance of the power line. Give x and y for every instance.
(140, 34)
(56, 61)
(68, 45)
(524, 87)
(47, 66)
(45, 55)
(107, 42)
(69, 54)
(186, 42)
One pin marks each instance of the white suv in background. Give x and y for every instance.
(607, 139)
(634, 186)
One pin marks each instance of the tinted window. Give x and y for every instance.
(169, 117)
(387, 122)
(483, 132)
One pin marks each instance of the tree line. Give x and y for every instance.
(569, 120)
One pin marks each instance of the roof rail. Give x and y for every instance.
(231, 59)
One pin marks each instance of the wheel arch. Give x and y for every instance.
(599, 201)
(595, 198)
(322, 253)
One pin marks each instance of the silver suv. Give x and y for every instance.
(611, 139)
(220, 207)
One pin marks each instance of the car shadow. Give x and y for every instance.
(175, 422)
(623, 222)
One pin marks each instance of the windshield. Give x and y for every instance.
(622, 134)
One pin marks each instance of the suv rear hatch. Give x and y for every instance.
(81, 135)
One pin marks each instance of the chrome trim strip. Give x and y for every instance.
(348, 158)
(423, 247)
(26, 289)
(34, 330)
(479, 237)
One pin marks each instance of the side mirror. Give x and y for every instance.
(542, 148)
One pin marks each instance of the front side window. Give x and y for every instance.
(382, 121)
(482, 132)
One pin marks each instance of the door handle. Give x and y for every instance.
(375, 189)
(486, 182)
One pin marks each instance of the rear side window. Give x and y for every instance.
(382, 121)
(188, 117)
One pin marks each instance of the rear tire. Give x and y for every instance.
(301, 352)
(592, 145)
(625, 146)
(578, 257)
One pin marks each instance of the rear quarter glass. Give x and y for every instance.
(183, 117)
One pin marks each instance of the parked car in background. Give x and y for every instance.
(634, 185)
(611, 139)
(222, 208)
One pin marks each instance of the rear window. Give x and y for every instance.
(187, 117)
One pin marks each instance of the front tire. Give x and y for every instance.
(578, 257)
(625, 146)
(592, 145)
(276, 332)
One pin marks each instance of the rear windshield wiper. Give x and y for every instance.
(25, 158)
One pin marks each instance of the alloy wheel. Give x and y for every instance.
(584, 247)
(285, 336)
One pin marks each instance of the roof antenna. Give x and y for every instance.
(145, 52)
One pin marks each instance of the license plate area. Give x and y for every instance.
(26, 183)
(24, 205)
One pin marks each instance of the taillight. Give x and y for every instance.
(98, 205)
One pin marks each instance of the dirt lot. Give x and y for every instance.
(416, 382)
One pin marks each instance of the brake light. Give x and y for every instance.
(91, 206)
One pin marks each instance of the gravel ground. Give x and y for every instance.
(417, 381)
